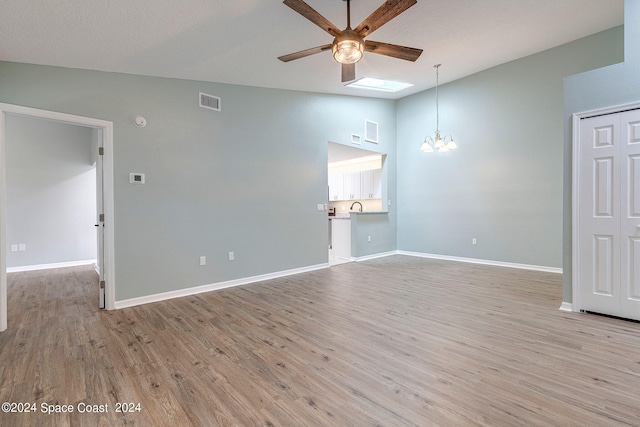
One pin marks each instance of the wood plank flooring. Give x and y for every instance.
(397, 341)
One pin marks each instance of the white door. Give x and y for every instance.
(630, 224)
(609, 240)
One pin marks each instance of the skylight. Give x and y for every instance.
(377, 84)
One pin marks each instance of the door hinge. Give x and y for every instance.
(101, 151)
(101, 217)
(102, 284)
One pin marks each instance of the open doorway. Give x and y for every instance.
(51, 190)
(102, 136)
(356, 185)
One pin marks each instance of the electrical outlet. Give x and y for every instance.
(474, 241)
(203, 260)
(14, 248)
(232, 256)
(22, 247)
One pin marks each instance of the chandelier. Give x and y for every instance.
(440, 143)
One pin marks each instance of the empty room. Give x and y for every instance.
(320, 213)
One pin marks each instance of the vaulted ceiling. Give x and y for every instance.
(238, 42)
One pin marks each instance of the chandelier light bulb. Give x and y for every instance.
(426, 147)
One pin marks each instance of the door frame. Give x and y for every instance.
(107, 194)
(575, 194)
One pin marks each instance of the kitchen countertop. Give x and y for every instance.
(348, 215)
(369, 213)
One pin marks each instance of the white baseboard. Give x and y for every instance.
(50, 266)
(247, 280)
(214, 286)
(374, 256)
(483, 261)
(566, 306)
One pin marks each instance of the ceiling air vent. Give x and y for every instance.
(209, 101)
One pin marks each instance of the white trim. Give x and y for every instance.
(566, 306)
(575, 193)
(374, 256)
(484, 262)
(108, 195)
(51, 266)
(575, 214)
(3, 254)
(214, 286)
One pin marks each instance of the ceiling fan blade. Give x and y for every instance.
(394, 50)
(303, 53)
(312, 15)
(385, 13)
(348, 72)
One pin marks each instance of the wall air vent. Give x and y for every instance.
(209, 101)
(371, 131)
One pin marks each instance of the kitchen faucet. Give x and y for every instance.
(357, 203)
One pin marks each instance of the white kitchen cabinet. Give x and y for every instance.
(356, 185)
(336, 187)
(371, 182)
(352, 186)
(341, 238)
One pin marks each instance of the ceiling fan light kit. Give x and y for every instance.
(348, 45)
(348, 48)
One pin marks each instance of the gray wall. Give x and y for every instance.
(610, 86)
(503, 185)
(382, 231)
(51, 192)
(246, 179)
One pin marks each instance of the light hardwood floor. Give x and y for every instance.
(397, 341)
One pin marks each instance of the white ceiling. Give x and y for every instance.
(238, 41)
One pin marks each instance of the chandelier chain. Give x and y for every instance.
(437, 107)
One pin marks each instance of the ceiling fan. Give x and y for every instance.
(349, 45)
